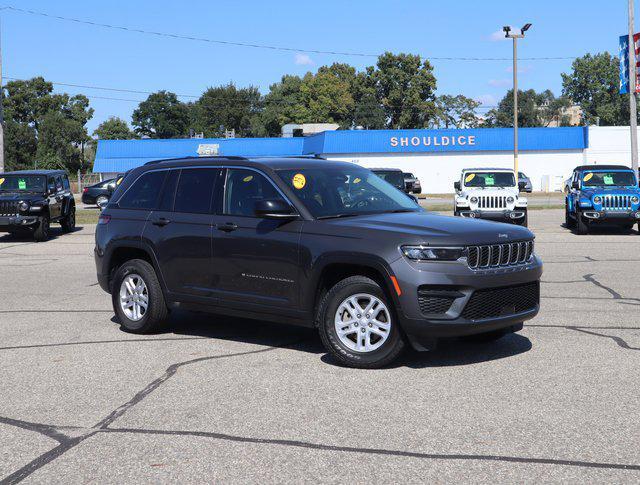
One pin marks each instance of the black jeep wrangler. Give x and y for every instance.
(31, 200)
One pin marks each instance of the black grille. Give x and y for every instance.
(8, 208)
(431, 305)
(496, 302)
(497, 255)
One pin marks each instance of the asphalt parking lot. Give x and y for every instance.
(228, 400)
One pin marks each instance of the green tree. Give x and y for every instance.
(225, 108)
(283, 104)
(534, 109)
(162, 115)
(327, 98)
(456, 112)
(405, 87)
(114, 129)
(594, 85)
(368, 111)
(42, 124)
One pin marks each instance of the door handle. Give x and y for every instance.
(161, 222)
(228, 227)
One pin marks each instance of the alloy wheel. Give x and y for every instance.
(362, 322)
(134, 297)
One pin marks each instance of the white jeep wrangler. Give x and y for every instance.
(490, 193)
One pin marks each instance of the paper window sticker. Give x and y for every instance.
(489, 181)
(470, 177)
(608, 180)
(587, 177)
(299, 181)
(248, 178)
(22, 184)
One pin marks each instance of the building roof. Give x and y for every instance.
(121, 155)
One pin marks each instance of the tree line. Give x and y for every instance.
(48, 130)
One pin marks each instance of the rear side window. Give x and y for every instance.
(195, 190)
(143, 194)
(65, 182)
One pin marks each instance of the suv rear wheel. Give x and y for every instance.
(137, 297)
(357, 324)
(69, 222)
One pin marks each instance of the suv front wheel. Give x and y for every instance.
(357, 324)
(137, 297)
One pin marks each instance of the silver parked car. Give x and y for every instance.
(528, 186)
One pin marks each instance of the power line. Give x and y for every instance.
(255, 45)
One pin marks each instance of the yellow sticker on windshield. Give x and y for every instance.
(299, 181)
(357, 180)
(470, 177)
(587, 177)
(248, 178)
(119, 180)
(1, 181)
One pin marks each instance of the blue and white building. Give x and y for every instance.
(436, 157)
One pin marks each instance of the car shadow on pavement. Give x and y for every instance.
(606, 230)
(450, 352)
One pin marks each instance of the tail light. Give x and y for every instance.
(85, 190)
(104, 219)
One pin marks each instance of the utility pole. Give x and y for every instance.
(1, 111)
(633, 119)
(515, 37)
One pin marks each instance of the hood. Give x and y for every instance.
(591, 191)
(433, 229)
(20, 196)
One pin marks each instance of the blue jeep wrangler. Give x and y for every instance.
(602, 194)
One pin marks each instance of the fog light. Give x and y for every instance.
(472, 215)
(596, 215)
(638, 215)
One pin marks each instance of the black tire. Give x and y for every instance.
(581, 227)
(525, 220)
(380, 357)
(568, 220)
(69, 222)
(42, 231)
(156, 312)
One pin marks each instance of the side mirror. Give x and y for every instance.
(111, 187)
(456, 185)
(522, 186)
(575, 185)
(274, 209)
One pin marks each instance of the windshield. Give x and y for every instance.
(489, 179)
(345, 191)
(603, 179)
(27, 183)
(394, 177)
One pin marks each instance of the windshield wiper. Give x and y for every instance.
(337, 216)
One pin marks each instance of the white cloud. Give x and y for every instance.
(303, 59)
(486, 99)
(499, 83)
(497, 36)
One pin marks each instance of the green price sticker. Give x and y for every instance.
(22, 184)
(489, 181)
(608, 180)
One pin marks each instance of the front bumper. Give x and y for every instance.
(620, 217)
(514, 215)
(424, 329)
(12, 223)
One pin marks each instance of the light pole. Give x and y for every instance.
(633, 120)
(515, 37)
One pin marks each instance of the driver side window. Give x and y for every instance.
(243, 188)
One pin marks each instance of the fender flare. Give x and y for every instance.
(140, 245)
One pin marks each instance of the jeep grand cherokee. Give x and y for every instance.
(314, 243)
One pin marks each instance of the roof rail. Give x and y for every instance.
(219, 157)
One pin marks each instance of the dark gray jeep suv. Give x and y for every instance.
(313, 243)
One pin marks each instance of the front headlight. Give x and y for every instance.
(427, 253)
(510, 200)
(597, 199)
(24, 206)
(634, 199)
(473, 199)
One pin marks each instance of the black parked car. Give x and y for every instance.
(313, 243)
(31, 200)
(394, 176)
(98, 194)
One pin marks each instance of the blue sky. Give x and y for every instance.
(74, 53)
